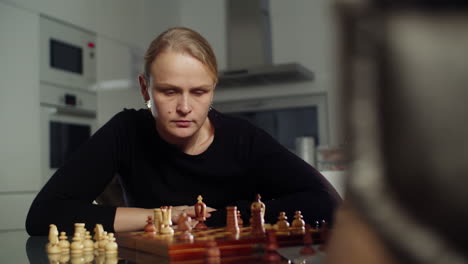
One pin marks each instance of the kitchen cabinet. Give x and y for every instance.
(19, 100)
(20, 173)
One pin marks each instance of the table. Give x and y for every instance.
(18, 247)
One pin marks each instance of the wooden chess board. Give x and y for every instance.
(173, 248)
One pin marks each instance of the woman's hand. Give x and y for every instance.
(189, 210)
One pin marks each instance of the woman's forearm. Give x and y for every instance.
(131, 219)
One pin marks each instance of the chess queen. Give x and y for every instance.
(175, 148)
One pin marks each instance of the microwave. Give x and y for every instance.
(67, 55)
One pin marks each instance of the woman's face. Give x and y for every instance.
(180, 90)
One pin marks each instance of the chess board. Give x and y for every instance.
(175, 249)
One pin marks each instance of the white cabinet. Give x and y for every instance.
(19, 100)
(81, 13)
(15, 207)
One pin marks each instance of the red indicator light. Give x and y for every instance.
(90, 45)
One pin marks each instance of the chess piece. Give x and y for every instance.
(324, 233)
(200, 214)
(298, 225)
(271, 247)
(63, 243)
(111, 246)
(111, 259)
(308, 242)
(183, 225)
(76, 246)
(166, 228)
(257, 223)
(88, 244)
(88, 257)
(98, 232)
(213, 254)
(231, 220)
(258, 204)
(64, 257)
(77, 258)
(54, 258)
(150, 228)
(53, 245)
(158, 220)
(317, 226)
(103, 242)
(80, 227)
(240, 222)
(282, 224)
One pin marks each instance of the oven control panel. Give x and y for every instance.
(71, 99)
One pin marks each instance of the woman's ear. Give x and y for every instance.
(144, 87)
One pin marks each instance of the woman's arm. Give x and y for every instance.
(132, 219)
(287, 183)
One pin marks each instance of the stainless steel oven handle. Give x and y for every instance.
(72, 111)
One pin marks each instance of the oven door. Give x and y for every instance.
(63, 131)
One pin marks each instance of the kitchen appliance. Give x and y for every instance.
(68, 119)
(68, 105)
(249, 49)
(68, 55)
(286, 118)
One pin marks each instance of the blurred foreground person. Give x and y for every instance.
(405, 87)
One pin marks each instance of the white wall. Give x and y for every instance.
(81, 13)
(305, 31)
(208, 17)
(119, 63)
(19, 114)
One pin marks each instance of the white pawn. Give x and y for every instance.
(111, 246)
(53, 245)
(88, 244)
(77, 245)
(63, 243)
(103, 242)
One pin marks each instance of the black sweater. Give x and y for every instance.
(241, 161)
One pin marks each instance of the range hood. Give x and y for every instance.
(249, 51)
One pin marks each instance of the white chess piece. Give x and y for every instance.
(166, 227)
(111, 246)
(158, 220)
(88, 244)
(77, 245)
(103, 242)
(64, 244)
(53, 245)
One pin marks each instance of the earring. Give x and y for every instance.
(148, 104)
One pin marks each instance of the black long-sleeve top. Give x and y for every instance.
(241, 161)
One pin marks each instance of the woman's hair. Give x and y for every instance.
(184, 40)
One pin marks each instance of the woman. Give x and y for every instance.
(177, 150)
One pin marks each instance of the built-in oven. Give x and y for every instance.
(68, 54)
(68, 119)
(298, 122)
